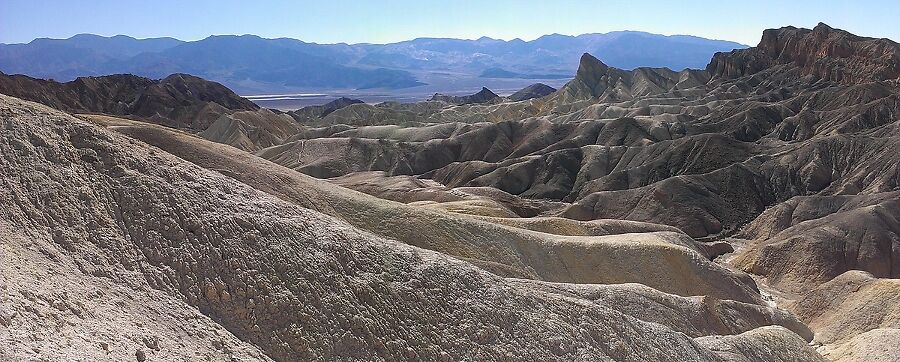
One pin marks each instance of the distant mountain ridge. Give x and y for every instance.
(80, 55)
(252, 62)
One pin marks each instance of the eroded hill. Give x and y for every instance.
(587, 223)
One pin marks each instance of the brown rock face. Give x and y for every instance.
(823, 52)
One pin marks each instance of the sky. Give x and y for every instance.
(335, 21)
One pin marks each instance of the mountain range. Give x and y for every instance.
(253, 63)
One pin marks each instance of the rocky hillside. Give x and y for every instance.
(748, 211)
(143, 240)
(823, 52)
(179, 100)
(789, 145)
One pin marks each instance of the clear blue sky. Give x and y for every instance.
(331, 21)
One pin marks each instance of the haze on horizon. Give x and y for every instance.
(369, 22)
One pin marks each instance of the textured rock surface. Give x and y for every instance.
(860, 237)
(51, 308)
(251, 130)
(491, 228)
(823, 52)
(851, 304)
(783, 346)
(877, 345)
(682, 265)
(791, 144)
(283, 280)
